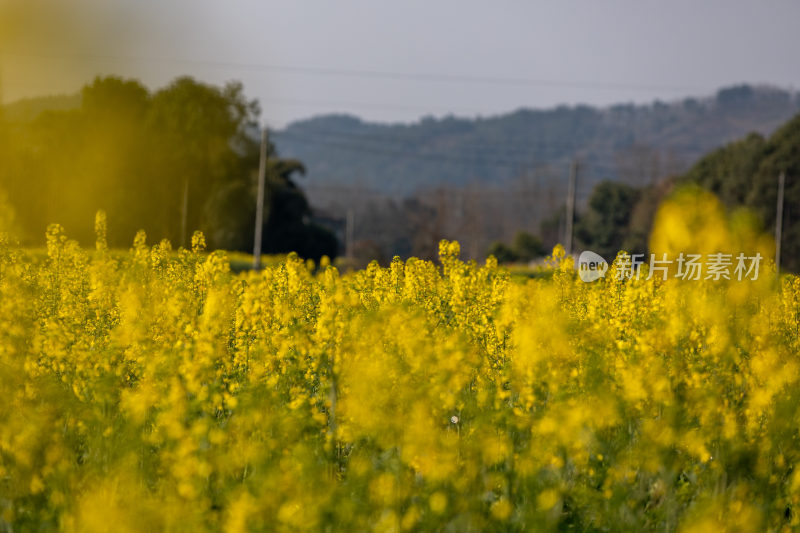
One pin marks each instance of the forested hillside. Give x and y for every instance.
(484, 180)
(634, 143)
(745, 173)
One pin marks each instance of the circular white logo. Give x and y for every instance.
(591, 266)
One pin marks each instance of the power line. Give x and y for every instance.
(371, 105)
(483, 189)
(370, 73)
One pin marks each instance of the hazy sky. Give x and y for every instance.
(398, 61)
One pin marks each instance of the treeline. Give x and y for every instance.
(617, 216)
(182, 158)
(743, 174)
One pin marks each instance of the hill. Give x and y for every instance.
(634, 143)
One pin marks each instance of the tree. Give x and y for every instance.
(202, 126)
(729, 171)
(745, 173)
(110, 165)
(604, 227)
(525, 248)
(182, 159)
(502, 252)
(528, 247)
(288, 226)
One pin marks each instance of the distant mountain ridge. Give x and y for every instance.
(625, 141)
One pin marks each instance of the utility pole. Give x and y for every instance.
(2, 64)
(348, 233)
(185, 210)
(573, 178)
(1, 84)
(262, 177)
(779, 220)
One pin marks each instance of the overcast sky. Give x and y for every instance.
(398, 61)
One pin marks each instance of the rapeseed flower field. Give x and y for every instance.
(156, 390)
